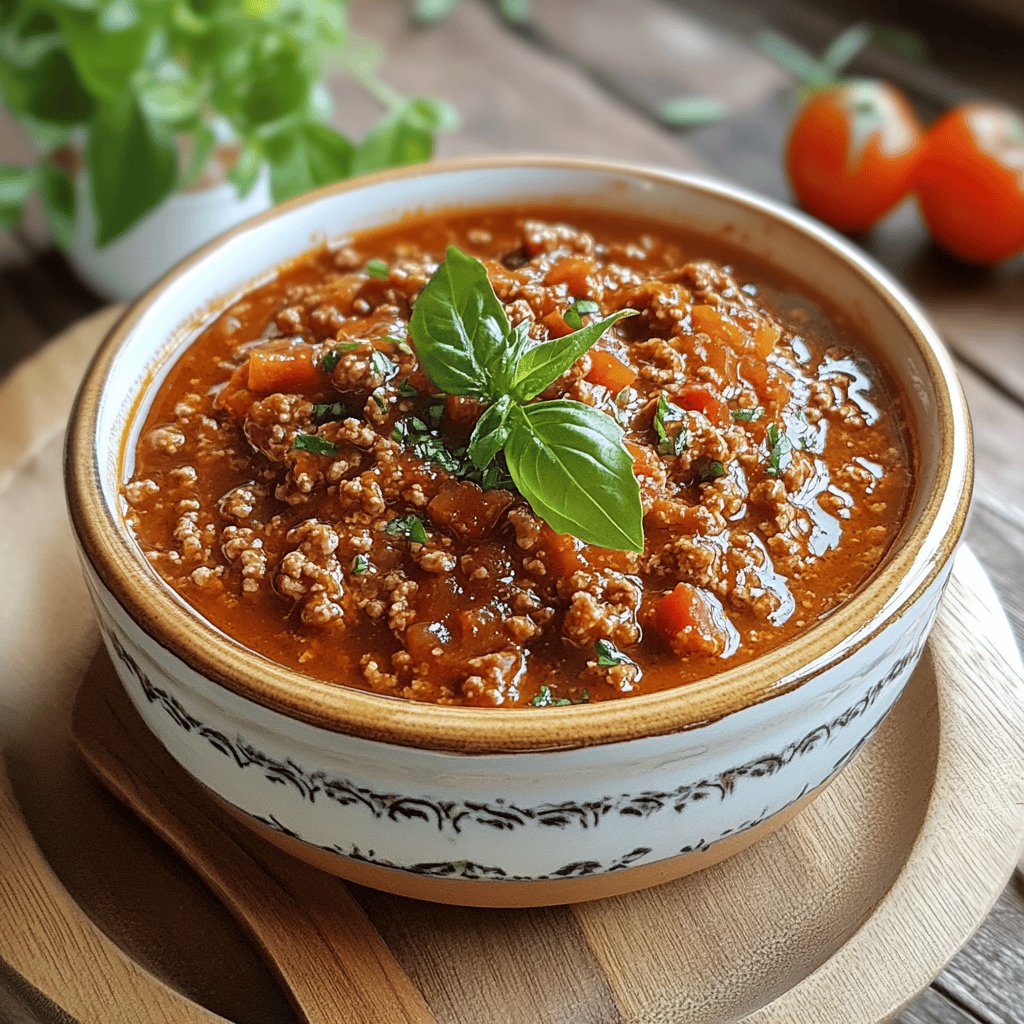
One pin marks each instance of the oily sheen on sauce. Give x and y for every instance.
(302, 482)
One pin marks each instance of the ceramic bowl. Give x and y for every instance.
(496, 806)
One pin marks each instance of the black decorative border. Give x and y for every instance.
(500, 815)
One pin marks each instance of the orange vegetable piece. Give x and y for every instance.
(288, 371)
(556, 325)
(235, 396)
(685, 619)
(701, 400)
(644, 459)
(718, 326)
(852, 153)
(562, 554)
(607, 370)
(574, 272)
(970, 182)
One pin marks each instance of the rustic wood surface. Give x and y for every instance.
(586, 77)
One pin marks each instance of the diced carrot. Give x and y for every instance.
(718, 326)
(463, 411)
(699, 399)
(574, 272)
(562, 554)
(287, 371)
(766, 337)
(235, 396)
(770, 385)
(609, 371)
(644, 459)
(556, 325)
(684, 617)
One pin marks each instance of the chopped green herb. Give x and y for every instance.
(567, 459)
(410, 527)
(327, 412)
(401, 344)
(435, 411)
(379, 401)
(710, 470)
(378, 269)
(382, 366)
(670, 443)
(747, 415)
(573, 316)
(608, 654)
(780, 451)
(545, 699)
(406, 390)
(360, 565)
(315, 444)
(330, 361)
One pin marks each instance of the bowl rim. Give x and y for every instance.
(120, 564)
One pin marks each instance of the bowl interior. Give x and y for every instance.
(129, 370)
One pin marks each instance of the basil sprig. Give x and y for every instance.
(567, 459)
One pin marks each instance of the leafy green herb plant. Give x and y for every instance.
(134, 89)
(567, 459)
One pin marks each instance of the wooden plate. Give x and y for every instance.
(845, 914)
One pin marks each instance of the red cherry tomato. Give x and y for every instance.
(852, 152)
(970, 182)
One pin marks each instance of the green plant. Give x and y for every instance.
(138, 85)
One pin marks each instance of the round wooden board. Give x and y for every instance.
(844, 914)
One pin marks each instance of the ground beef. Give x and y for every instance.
(329, 517)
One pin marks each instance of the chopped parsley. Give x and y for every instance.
(382, 366)
(545, 699)
(426, 442)
(330, 361)
(747, 415)
(406, 390)
(780, 451)
(666, 413)
(360, 565)
(379, 400)
(710, 470)
(326, 412)
(401, 344)
(314, 443)
(410, 527)
(573, 316)
(608, 654)
(379, 269)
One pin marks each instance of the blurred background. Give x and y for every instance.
(131, 131)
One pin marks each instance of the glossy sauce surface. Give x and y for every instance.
(373, 557)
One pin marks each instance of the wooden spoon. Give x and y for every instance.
(48, 940)
(332, 961)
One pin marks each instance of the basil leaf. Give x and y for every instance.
(107, 46)
(460, 329)
(405, 136)
(315, 444)
(569, 462)
(428, 11)
(545, 363)
(16, 184)
(57, 191)
(306, 157)
(245, 171)
(490, 433)
(131, 167)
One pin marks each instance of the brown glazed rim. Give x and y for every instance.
(120, 564)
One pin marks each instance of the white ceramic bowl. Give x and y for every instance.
(495, 806)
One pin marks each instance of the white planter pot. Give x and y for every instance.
(127, 266)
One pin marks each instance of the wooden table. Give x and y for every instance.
(586, 77)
